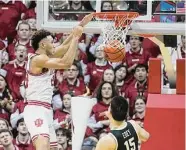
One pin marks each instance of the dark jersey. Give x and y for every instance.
(126, 138)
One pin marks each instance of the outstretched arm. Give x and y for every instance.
(43, 61)
(63, 48)
(142, 133)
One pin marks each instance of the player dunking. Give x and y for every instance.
(38, 114)
(123, 135)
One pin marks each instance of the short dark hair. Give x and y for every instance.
(99, 95)
(121, 66)
(141, 66)
(6, 130)
(119, 108)
(19, 121)
(38, 36)
(65, 132)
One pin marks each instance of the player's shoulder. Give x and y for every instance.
(111, 143)
(135, 125)
(40, 58)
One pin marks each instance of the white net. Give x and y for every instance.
(116, 28)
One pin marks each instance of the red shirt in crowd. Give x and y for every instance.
(20, 105)
(61, 116)
(82, 56)
(15, 75)
(30, 13)
(11, 49)
(96, 73)
(78, 88)
(99, 111)
(10, 14)
(121, 89)
(140, 57)
(137, 118)
(151, 47)
(24, 146)
(3, 114)
(133, 91)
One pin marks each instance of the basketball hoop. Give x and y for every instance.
(115, 25)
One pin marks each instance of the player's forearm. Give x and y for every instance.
(144, 136)
(68, 39)
(71, 53)
(63, 48)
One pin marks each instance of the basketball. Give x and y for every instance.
(114, 51)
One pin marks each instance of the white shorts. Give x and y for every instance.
(38, 120)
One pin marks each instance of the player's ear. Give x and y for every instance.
(42, 44)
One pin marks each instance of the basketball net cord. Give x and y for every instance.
(115, 29)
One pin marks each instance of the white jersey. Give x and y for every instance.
(39, 87)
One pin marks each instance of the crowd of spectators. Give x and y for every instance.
(90, 74)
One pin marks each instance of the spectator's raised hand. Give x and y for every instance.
(59, 76)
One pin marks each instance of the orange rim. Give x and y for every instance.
(118, 17)
(112, 15)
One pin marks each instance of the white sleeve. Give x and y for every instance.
(84, 67)
(56, 102)
(15, 117)
(82, 47)
(93, 124)
(56, 124)
(87, 79)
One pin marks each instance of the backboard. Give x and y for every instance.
(157, 17)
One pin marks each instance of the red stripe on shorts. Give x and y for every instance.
(38, 103)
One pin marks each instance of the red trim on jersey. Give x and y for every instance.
(38, 103)
(36, 136)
